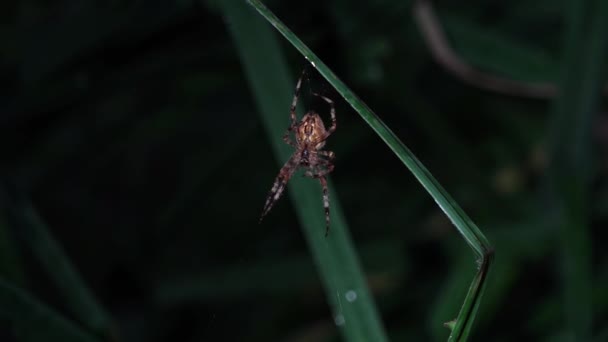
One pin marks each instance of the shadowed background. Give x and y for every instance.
(135, 164)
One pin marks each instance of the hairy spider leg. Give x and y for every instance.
(323, 167)
(279, 184)
(332, 113)
(320, 174)
(325, 202)
(327, 154)
(292, 112)
(317, 172)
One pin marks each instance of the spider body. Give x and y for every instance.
(311, 131)
(310, 136)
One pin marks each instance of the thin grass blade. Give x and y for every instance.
(269, 78)
(35, 320)
(30, 227)
(472, 235)
(570, 172)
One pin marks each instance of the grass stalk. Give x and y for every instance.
(465, 226)
(30, 227)
(570, 148)
(34, 321)
(270, 80)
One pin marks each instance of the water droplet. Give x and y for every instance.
(351, 296)
(339, 320)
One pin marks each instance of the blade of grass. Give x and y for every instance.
(569, 175)
(265, 66)
(33, 231)
(35, 320)
(472, 235)
(448, 300)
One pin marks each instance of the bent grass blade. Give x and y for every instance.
(465, 226)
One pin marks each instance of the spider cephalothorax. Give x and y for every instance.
(311, 131)
(310, 134)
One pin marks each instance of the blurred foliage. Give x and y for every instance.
(129, 129)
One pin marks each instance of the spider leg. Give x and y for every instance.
(332, 112)
(328, 154)
(292, 111)
(279, 184)
(287, 139)
(294, 102)
(322, 166)
(319, 172)
(319, 169)
(325, 202)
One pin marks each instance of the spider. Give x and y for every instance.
(310, 135)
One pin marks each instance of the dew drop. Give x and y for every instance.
(351, 296)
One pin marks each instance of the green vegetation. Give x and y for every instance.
(140, 140)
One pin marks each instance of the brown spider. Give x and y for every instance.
(310, 134)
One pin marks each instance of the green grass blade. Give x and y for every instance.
(265, 66)
(36, 321)
(586, 52)
(472, 235)
(49, 253)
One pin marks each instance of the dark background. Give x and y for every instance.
(129, 133)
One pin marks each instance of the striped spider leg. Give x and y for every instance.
(310, 135)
